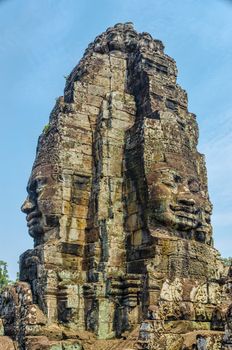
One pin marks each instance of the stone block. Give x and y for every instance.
(72, 345)
(6, 343)
(1, 328)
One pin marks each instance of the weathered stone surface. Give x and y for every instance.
(43, 343)
(6, 343)
(1, 328)
(119, 211)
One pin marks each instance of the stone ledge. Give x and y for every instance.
(43, 343)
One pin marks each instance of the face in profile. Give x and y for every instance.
(177, 200)
(42, 205)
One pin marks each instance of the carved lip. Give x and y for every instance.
(188, 211)
(32, 218)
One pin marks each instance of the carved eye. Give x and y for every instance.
(169, 183)
(177, 179)
(40, 183)
(171, 180)
(31, 188)
(38, 188)
(193, 186)
(35, 187)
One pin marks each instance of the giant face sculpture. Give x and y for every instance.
(42, 213)
(178, 200)
(43, 204)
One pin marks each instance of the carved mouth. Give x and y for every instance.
(185, 215)
(33, 219)
(185, 212)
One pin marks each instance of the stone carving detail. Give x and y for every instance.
(172, 291)
(119, 212)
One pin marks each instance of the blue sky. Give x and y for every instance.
(40, 43)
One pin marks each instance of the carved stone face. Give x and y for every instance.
(130, 39)
(42, 204)
(115, 40)
(179, 201)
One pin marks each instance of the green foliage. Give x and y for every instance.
(46, 129)
(17, 277)
(227, 261)
(4, 276)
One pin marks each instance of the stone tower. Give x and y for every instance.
(119, 211)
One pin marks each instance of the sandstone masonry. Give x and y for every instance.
(119, 211)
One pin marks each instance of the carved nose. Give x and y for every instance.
(27, 206)
(187, 201)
